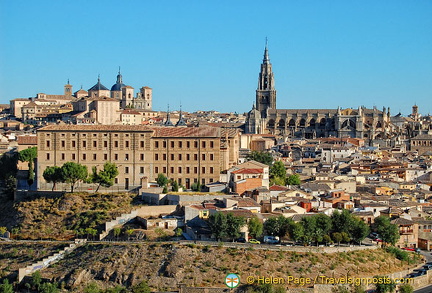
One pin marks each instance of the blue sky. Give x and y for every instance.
(206, 55)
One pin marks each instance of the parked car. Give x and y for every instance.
(241, 240)
(374, 235)
(421, 272)
(408, 248)
(427, 267)
(271, 239)
(254, 241)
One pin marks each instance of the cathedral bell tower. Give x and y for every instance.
(265, 93)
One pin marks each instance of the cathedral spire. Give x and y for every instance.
(168, 121)
(266, 59)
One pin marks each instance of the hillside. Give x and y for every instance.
(65, 217)
(167, 265)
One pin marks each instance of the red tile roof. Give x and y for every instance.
(27, 139)
(248, 171)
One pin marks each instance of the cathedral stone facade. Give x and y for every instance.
(265, 118)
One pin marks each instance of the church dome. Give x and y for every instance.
(119, 83)
(98, 87)
(117, 87)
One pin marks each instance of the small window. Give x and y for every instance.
(116, 144)
(203, 144)
(203, 170)
(48, 156)
(127, 143)
(105, 143)
(195, 144)
(187, 170)
(73, 157)
(48, 143)
(195, 157)
(164, 157)
(211, 157)
(157, 170)
(105, 157)
(63, 143)
(142, 157)
(172, 170)
(73, 143)
(188, 144)
(211, 144)
(116, 157)
(156, 144)
(126, 157)
(172, 144)
(84, 144)
(63, 156)
(141, 143)
(172, 157)
(84, 157)
(180, 169)
(164, 170)
(126, 170)
(211, 170)
(142, 170)
(94, 157)
(94, 143)
(180, 144)
(203, 157)
(180, 157)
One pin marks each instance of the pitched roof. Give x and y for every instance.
(27, 139)
(248, 171)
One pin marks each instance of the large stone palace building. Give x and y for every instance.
(265, 118)
(185, 154)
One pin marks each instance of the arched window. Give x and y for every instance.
(281, 123)
(312, 123)
(291, 123)
(302, 123)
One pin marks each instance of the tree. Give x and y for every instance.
(234, 224)
(277, 226)
(278, 173)
(92, 288)
(6, 287)
(73, 173)
(8, 165)
(293, 180)
(162, 180)
(48, 288)
(53, 174)
(389, 232)
(296, 231)
(342, 221)
(255, 227)
(337, 237)
(218, 225)
(104, 177)
(323, 224)
(262, 157)
(385, 285)
(311, 232)
(36, 279)
(359, 231)
(10, 186)
(175, 186)
(406, 288)
(117, 232)
(141, 287)
(3, 230)
(29, 155)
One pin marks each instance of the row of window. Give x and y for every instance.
(116, 144)
(186, 170)
(180, 144)
(94, 157)
(187, 157)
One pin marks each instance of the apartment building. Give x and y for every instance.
(185, 154)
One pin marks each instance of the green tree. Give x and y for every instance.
(255, 227)
(162, 180)
(10, 186)
(218, 225)
(73, 173)
(262, 157)
(342, 221)
(3, 230)
(296, 231)
(278, 173)
(29, 155)
(53, 174)
(323, 226)
(8, 165)
(327, 239)
(104, 177)
(175, 186)
(345, 237)
(234, 224)
(386, 285)
(277, 226)
(360, 231)
(116, 232)
(311, 232)
(141, 287)
(36, 279)
(293, 180)
(90, 232)
(92, 288)
(389, 232)
(48, 288)
(6, 287)
(406, 288)
(337, 237)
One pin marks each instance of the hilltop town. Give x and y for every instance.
(324, 178)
